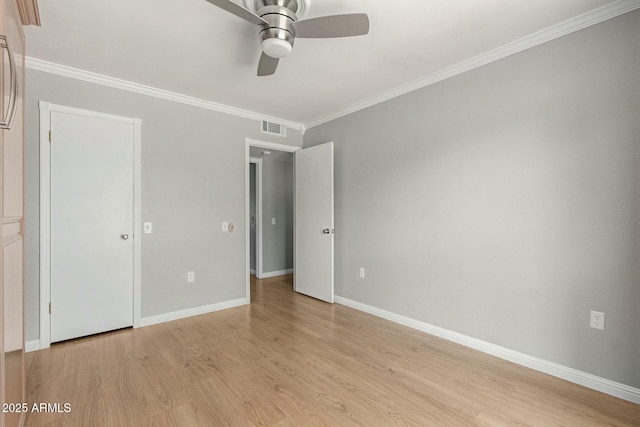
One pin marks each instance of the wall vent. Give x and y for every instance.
(274, 128)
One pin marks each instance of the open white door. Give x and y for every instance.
(314, 222)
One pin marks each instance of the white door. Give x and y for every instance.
(314, 222)
(91, 224)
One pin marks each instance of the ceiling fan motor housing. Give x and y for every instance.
(279, 26)
(278, 36)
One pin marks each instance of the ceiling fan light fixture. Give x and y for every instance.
(276, 48)
(279, 26)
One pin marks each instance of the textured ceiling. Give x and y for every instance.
(194, 48)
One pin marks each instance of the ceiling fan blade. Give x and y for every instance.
(354, 24)
(239, 11)
(267, 65)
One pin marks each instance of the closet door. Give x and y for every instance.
(11, 207)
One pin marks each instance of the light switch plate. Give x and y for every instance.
(148, 228)
(225, 227)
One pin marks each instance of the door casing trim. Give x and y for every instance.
(258, 163)
(46, 109)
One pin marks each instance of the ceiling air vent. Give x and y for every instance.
(274, 128)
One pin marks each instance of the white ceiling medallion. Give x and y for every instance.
(303, 5)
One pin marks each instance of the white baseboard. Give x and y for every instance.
(594, 382)
(30, 346)
(276, 273)
(195, 311)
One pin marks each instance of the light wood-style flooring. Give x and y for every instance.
(290, 360)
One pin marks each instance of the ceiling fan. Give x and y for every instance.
(279, 27)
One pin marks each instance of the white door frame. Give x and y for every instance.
(258, 163)
(247, 147)
(45, 212)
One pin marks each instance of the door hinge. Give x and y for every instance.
(49, 308)
(49, 136)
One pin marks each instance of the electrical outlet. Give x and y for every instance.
(361, 272)
(191, 276)
(148, 228)
(597, 320)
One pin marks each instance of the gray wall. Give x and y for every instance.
(504, 203)
(192, 180)
(277, 202)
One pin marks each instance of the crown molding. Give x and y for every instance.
(577, 23)
(100, 79)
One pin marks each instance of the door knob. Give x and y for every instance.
(326, 231)
(124, 236)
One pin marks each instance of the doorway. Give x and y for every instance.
(90, 216)
(312, 215)
(271, 178)
(272, 245)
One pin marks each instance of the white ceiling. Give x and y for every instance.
(194, 48)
